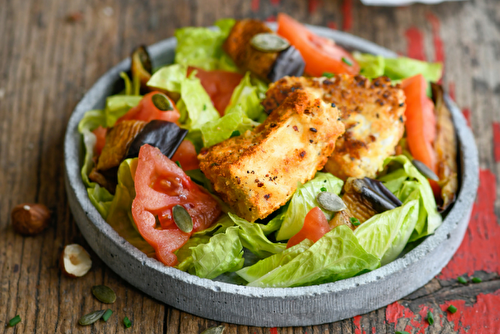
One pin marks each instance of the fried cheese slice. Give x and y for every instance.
(258, 172)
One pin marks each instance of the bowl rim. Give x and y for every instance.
(469, 183)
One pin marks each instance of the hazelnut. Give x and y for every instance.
(30, 218)
(75, 261)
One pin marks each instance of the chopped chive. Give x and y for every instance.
(452, 309)
(323, 189)
(462, 280)
(355, 221)
(107, 314)
(328, 74)
(476, 280)
(347, 61)
(403, 332)
(235, 133)
(127, 322)
(430, 318)
(14, 321)
(178, 164)
(204, 107)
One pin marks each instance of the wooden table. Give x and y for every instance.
(52, 51)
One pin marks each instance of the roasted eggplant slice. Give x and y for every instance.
(118, 141)
(445, 145)
(164, 135)
(267, 65)
(141, 68)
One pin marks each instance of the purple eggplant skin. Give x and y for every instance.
(289, 63)
(164, 135)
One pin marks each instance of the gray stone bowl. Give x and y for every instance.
(267, 307)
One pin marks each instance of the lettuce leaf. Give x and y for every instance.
(120, 215)
(248, 94)
(202, 47)
(397, 68)
(184, 254)
(253, 238)
(386, 234)
(337, 255)
(264, 266)
(406, 182)
(117, 106)
(221, 254)
(303, 200)
(100, 198)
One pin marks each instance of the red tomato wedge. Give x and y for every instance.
(100, 135)
(219, 85)
(420, 121)
(160, 185)
(146, 111)
(186, 155)
(315, 226)
(320, 54)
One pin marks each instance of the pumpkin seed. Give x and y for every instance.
(162, 102)
(89, 319)
(182, 219)
(426, 171)
(268, 42)
(330, 201)
(214, 330)
(104, 294)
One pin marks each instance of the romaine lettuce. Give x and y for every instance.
(253, 238)
(202, 47)
(337, 255)
(303, 200)
(264, 266)
(221, 254)
(397, 68)
(386, 234)
(403, 179)
(248, 94)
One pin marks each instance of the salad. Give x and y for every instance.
(272, 159)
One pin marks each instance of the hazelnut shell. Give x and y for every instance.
(30, 218)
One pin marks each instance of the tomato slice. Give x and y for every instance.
(320, 54)
(160, 185)
(147, 111)
(219, 85)
(186, 155)
(100, 135)
(420, 121)
(315, 226)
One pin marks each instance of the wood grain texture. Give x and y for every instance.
(47, 62)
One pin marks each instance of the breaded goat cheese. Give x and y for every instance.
(257, 172)
(373, 112)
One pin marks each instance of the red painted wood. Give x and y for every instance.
(415, 43)
(496, 140)
(347, 15)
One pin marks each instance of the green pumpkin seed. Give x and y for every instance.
(268, 42)
(104, 294)
(182, 219)
(424, 170)
(89, 319)
(214, 330)
(330, 201)
(162, 102)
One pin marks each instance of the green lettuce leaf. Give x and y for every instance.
(337, 255)
(397, 68)
(202, 47)
(414, 186)
(169, 78)
(303, 200)
(248, 94)
(264, 266)
(386, 234)
(120, 215)
(117, 106)
(184, 254)
(223, 253)
(253, 238)
(100, 198)
(221, 129)
(219, 226)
